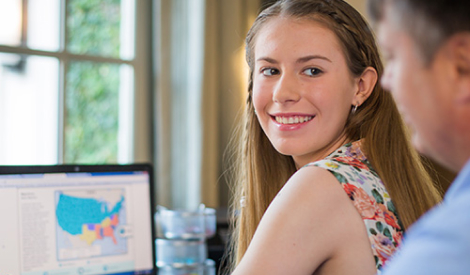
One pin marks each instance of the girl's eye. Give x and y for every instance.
(312, 71)
(270, 71)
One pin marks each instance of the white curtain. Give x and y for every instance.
(200, 88)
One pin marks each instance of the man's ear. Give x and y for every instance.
(459, 46)
(365, 85)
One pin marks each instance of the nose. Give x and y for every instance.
(286, 90)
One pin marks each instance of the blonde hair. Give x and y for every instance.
(262, 171)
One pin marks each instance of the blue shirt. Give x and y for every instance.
(439, 242)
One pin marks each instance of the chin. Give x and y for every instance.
(426, 151)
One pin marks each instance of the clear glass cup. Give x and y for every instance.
(186, 225)
(181, 253)
(208, 268)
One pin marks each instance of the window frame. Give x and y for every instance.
(138, 147)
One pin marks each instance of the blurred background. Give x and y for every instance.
(124, 81)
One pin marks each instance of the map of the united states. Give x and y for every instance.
(87, 217)
(91, 218)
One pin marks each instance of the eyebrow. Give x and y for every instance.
(300, 60)
(310, 57)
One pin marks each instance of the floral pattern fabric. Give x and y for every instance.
(368, 194)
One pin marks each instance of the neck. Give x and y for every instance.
(302, 160)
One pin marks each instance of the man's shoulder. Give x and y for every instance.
(447, 223)
(452, 210)
(438, 243)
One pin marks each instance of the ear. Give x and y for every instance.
(459, 48)
(365, 85)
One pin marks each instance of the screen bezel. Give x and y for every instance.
(92, 168)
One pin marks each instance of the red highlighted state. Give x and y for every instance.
(98, 232)
(108, 226)
(92, 232)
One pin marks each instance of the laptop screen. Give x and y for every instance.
(69, 219)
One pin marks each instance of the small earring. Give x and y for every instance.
(354, 109)
(243, 201)
(255, 111)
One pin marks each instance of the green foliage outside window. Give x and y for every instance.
(92, 108)
(94, 27)
(92, 89)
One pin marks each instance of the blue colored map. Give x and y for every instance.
(88, 223)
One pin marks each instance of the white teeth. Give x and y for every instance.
(293, 119)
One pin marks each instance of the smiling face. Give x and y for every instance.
(302, 88)
(422, 91)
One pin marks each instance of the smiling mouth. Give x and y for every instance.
(292, 119)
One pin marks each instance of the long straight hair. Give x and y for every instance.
(263, 171)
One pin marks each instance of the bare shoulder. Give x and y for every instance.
(305, 224)
(312, 178)
(312, 186)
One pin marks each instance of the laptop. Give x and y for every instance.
(77, 219)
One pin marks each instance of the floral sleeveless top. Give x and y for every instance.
(368, 194)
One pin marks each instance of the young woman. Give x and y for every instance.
(323, 146)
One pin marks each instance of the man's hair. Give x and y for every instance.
(429, 22)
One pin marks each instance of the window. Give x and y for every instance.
(67, 89)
